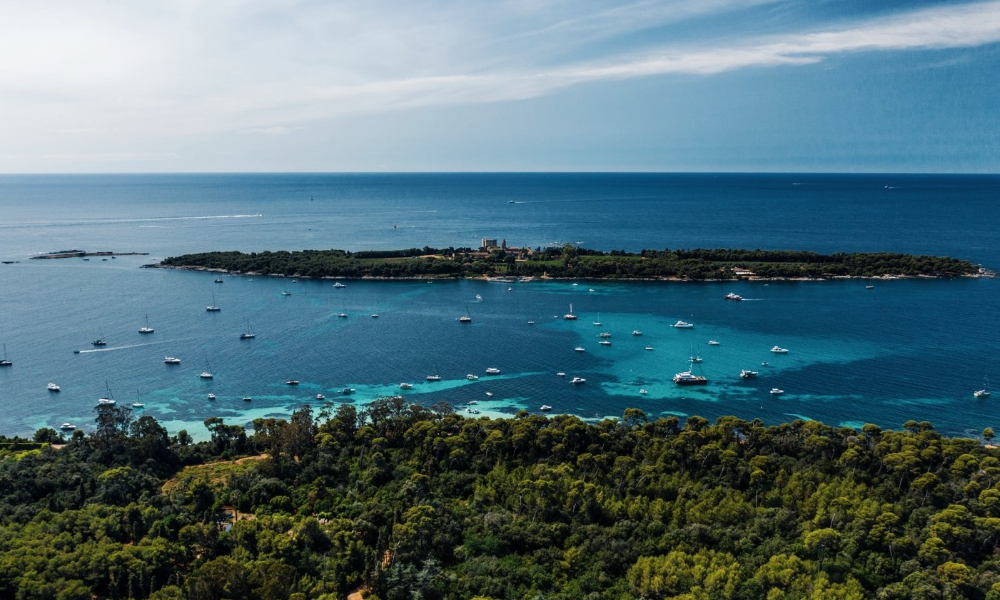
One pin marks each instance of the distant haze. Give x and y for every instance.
(509, 85)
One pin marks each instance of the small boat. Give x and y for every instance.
(147, 328)
(292, 382)
(713, 343)
(100, 341)
(342, 315)
(86, 259)
(374, 315)
(605, 342)
(339, 285)
(138, 405)
(560, 374)
(6, 362)
(53, 387)
(869, 287)
(347, 391)
(531, 322)
(472, 377)
(779, 350)
(433, 378)
(465, 319)
(545, 408)
(170, 360)
(248, 334)
(983, 393)
(478, 297)
(406, 386)
(472, 411)
(286, 293)
(295, 281)
(211, 396)
(733, 296)
(648, 348)
(207, 373)
(636, 332)
(695, 359)
(643, 392)
(604, 334)
(683, 325)
(687, 378)
(218, 281)
(747, 374)
(492, 371)
(579, 349)
(320, 397)
(247, 399)
(591, 290)
(213, 307)
(777, 392)
(489, 394)
(570, 316)
(597, 323)
(578, 380)
(67, 426)
(470, 402)
(763, 364)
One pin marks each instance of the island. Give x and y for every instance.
(83, 253)
(571, 262)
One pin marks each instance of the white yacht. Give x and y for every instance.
(339, 285)
(321, 396)
(579, 349)
(777, 392)
(733, 296)
(578, 380)
(605, 342)
(472, 377)
(713, 343)
(247, 399)
(406, 386)
(688, 378)
(648, 348)
(636, 332)
(683, 325)
(211, 396)
(465, 319)
(983, 393)
(286, 293)
(643, 392)
(342, 315)
(747, 374)
(433, 378)
(292, 382)
(492, 371)
(170, 360)
(560, 374)
(604, 334)
(347, 391)
(53, 387)
(545, 408)
(67, 427)
(779, 350)
(374, 315)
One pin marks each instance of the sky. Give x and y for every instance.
(109, 86)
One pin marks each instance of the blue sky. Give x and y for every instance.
(504, 85)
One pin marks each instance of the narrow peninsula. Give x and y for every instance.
(571, 262)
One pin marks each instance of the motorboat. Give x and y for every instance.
(605, 342)
(531, 322)
(406, 386)
(374, 315)
(713, 343)
(67, 427)
(763, 364)
(218, 281)
(105, 401)
(341, 315)
(777, 392)
(578, 380)
(489, 394)
(733, 296)
(560, 374)
(470, 402)
(579, 349)
(472, 377)
(53, 387)
(292, 382)
(285, 293)
(648, 348)
(683, 325)
(320, 397)
(339, 285)
(211, 396)
(687, 378)
(171, 360)
(636, 332)
(779, 350)
(347, 391)
(643, 392)
(99, 342)
(604, 334)
(247, 399)
(747, 374)
(433, 378)
(492, 371)
(545, 408)
(465, 319)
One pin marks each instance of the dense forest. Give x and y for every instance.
(399, 501)
(572, 262)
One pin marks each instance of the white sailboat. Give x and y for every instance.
(983, 393)
(147, 328)
(207, 373)
(570, 316)
(108, 399)
(248, 334)
(213, 307)
(6, 361)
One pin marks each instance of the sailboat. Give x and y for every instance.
(147, 328)
(138, 401)
(597, 323)
(465, 318)
(207, 373)
(248, 334)
(570, 316)
(213, 307)
(6, 361)
(983, 393)
(108, 399)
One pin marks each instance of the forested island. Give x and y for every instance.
(573, 262)
(398, 501)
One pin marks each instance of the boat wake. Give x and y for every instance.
(125, 347)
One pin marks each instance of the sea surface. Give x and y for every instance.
(905, 349)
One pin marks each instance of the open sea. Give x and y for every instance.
(906, 349)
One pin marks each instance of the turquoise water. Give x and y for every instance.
(906, 349)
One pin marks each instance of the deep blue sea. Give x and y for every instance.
(905, 349)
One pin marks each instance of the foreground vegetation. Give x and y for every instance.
(573, 262)
(406, 502)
